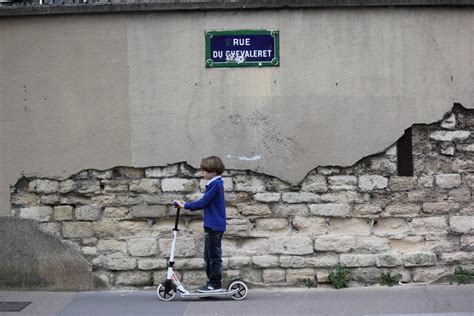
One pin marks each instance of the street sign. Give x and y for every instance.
(242, 48)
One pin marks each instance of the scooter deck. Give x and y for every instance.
(210, 294)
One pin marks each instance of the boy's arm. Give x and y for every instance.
(205, 200)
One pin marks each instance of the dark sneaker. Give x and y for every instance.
(209, 289)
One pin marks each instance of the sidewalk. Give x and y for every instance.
(437, 300)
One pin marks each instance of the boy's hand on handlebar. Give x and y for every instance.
(178, 203)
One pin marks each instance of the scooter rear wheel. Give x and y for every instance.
(240, 288)
(165, 295)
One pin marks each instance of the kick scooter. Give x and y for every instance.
(166, 291)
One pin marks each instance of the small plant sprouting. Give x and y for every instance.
(310, 283)
(340, 276)
(390, 280)
(463, 276)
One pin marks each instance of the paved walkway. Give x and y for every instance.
(400, 300)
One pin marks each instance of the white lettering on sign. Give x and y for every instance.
(241, 42)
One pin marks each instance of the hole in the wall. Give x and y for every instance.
(405, 154)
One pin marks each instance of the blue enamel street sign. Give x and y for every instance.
(243, 48)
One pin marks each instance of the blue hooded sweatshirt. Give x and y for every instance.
(213, 204)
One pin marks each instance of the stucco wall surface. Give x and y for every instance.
(101, 91)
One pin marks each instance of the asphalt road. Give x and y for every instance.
(405, 300)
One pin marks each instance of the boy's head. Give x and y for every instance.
(212, 164)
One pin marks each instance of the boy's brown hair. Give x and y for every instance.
(213, 164)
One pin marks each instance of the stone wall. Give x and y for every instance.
(363, 216)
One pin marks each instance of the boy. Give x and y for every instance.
(214, 220)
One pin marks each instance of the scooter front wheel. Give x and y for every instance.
(240, 289)
(164, 294)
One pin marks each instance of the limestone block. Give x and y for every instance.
(429, 225)
(467, 210)
(105, 228)
(265, 261)
(327, 171)
(267, 197)
(402, 183)
(133, 278)
(162, 172)
(163, 199)
(392, 227)
(90, 212)
(296, 276)
(76, 199)
(272, 224)
(314, 183)
(292, 262)
(459, 258)
(365, 210)
(238, 227)
(195, 263)
(115, 186)
(429, 274)
(89, 241)
(66, 186)
(342, 183)
(439, 208)
(77, 229)
(449, 122)
(283, 210)
(274, 276)
(462, 194)
(234, 198)
(118, 261)
(133, 229)
(372, 182)
(142, 247)
(109, 246)
(185, 247)
(232, 212)
(101, 174)
(51, 228)
(115, 212)
(426, 181)
(365, 275)
(465, 147)
(448, 150)
(87, 187)
(399, 209)
(38, 213)
(152, 264)
(371, 244)
(43, 186)
(356, 260)
(388, 260)
(291, 245)
(467, 243)
(344, 197)
(49, 199)
(300, 197)
(463, 165)
(448, 181)
(179, 185)
(24, 199)
(139, 211)
(450, 136)
(195, 277)
(63, 213)
(442, 243)
(249, 184)
(311, 226)
(237, 262)
(335, 243)
(256, 210)
(322, 261)
(349, 226)
(89, 251)
(330, 209)
(462, 224)
(145, 186)
(408, 244)
(382, 165)
(322, 276)
(419, 259)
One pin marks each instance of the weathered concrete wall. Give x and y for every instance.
(364, 217)
(101, 91)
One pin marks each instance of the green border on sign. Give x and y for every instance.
(231, 63)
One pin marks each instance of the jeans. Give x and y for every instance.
(213, 257)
